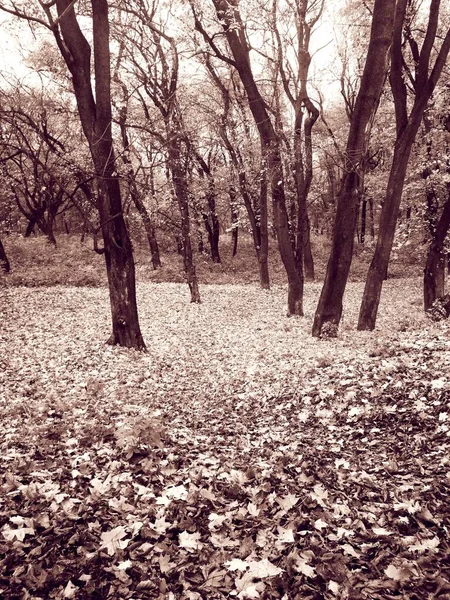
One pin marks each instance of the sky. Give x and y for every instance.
(16, 40)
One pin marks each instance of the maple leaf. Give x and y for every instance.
(216, 521)
(429, 544)
(263, 568)
(320, 524)
(161, 525)
(189, 541)
(18, 534)
(113, 540)
(288, 502)
(302, 565)
(164, 563)
(319, 494)
(285, 536)
(177, 492)
(247, 587)
(253, 510)
(236, 564)
(100, 487)
(333, 586)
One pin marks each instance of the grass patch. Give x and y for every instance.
(35, 262)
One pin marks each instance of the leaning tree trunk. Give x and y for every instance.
(407, 128)
(235, 34)
(4, 262)
(329, 309)
(258, 223)
(95, 115)
(435, 265)
(387, 223)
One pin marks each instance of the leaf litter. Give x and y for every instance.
(239, 457)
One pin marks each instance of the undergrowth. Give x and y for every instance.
(35, 262)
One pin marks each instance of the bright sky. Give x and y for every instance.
(16, 40)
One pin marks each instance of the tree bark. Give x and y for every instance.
(95, 116)
(306, 17)
(234, 219)
(210, 217)
(4, 262)
(329, 309)
(135, 196)
(263, 230)
(230, 19)
(181, 192)
(362, 235)
(407, 128)
(252, 205)
(434, 271)
(372, 218)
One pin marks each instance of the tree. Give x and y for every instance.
(305, 14)
(329, 309)
(253, 195)
(94, 107)
(33, 172)
(435, 175)
(423, 79)
(234, 31)
(156, 68)
(209, 215)
(130, 172)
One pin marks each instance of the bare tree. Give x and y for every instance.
(153, 56)
(94, 108)
(306, 14)
(423, 79)
(234, 31)
(255, 200)
(329, 309)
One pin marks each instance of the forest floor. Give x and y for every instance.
(238, 457)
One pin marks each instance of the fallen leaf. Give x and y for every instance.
(113, 540)
(189, 541)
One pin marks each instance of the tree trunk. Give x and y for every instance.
(362, 235)
(234, 219)
(30, 227)
(308, 259)
(149, 229)
(210, 218)
(4, 262)
(372, 219)
(95, 116)
(263, 250)
(388, 219)
(135, 196)
(259, 229)
(234, 32)
(407, 128)
(329, 309)
(47, 227)
(434, 272)
(181, 192)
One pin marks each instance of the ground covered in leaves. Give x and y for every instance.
(238, 457)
